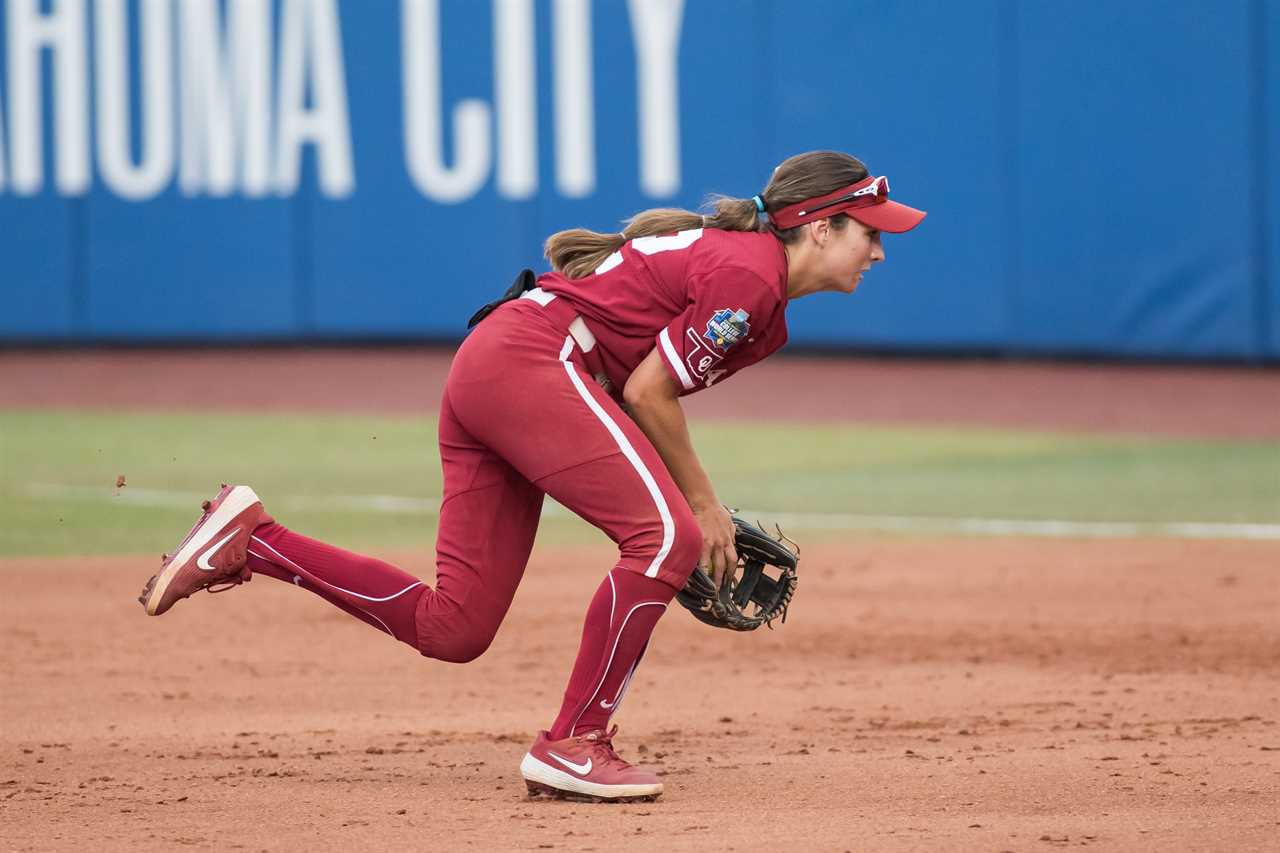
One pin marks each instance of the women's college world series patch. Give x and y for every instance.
(726, 328)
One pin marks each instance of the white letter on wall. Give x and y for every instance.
(423, 128)
(655, 25)
(311, 54)
(515, 97)
(3, 159)
(226, 103)
(574, 98)
(62, 32)
(115, 161)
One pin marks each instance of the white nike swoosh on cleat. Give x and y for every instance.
(580, 769)
(202, 562)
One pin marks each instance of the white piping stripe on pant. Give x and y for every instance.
(612, 707)
(617, 639)
(613, 605)
(296, 578)
(668, 526)
(325, 582)
(297, 581)
(613, 596)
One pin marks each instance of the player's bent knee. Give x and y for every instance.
(459, 650)
(686, 548)
(462, 646)
(677, 541)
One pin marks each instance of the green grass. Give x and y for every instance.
(59, 469)
(280, 456)
(994, 474)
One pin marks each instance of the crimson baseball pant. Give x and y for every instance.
(521, 418)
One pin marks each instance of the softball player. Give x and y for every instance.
(572, 390)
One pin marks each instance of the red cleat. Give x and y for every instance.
(215, 551)
(586, 768)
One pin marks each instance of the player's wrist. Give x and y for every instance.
(702, 503)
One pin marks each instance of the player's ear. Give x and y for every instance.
(819, 231)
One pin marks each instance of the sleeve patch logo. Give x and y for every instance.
(727, 328)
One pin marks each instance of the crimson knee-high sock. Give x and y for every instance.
(369, 589)
(620, 618)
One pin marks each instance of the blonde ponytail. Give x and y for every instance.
(578, 251)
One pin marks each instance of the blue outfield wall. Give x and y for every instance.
(1266, 79)
(1101, 176)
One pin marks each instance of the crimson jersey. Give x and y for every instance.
(712, 302)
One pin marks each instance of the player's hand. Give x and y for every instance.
(718, 554)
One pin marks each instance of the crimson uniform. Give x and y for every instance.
(531, 407)
(712, 302)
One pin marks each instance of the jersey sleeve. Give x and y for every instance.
(723, 329)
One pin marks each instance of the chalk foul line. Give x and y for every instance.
(405, 505)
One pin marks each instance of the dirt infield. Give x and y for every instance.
(943, 695)
(1227, 402)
